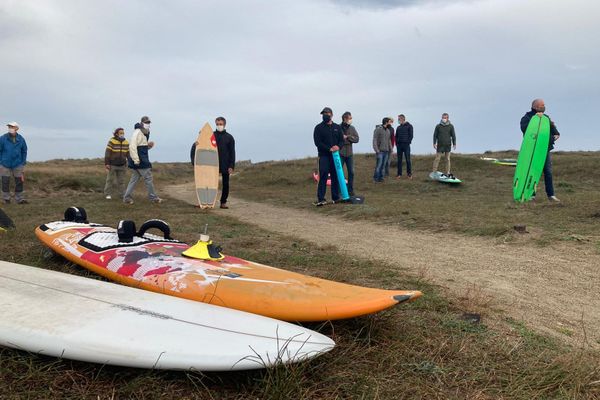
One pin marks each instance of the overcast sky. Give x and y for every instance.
(74, 70)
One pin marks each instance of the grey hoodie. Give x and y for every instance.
(382, 140)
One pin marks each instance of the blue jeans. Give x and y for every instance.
(327, 168)
(382, 159)
(349, 161)
(404, 148)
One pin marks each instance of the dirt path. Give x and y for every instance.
(555, 290)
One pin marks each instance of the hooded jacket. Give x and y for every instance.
(553, 131)
(382, 140)
(138, 149)
(13, 151)
(444, 136)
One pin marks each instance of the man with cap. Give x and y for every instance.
(328, 137)
(13, 157)
(139, 161)
(350, 136)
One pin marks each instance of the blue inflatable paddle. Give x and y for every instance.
(339, 170)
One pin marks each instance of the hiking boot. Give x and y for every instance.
(409, 177)
(553, 199)
(224, 206)
(156, 200)
(108, 197)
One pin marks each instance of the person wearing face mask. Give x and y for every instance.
(382, 144)
(404, 137)
(115, 158)
(226, 150)
(444, 141)
(328, 137)
(138, 161)
(538, 106)
(350, 136)
(13, 157)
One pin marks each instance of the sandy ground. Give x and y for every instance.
(554, 290)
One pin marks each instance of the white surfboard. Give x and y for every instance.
(56, 314)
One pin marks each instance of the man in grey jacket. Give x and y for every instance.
(350, 136)
(382, 144)
(444, 140)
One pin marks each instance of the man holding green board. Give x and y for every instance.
(538, 108)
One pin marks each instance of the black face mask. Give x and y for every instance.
(326, 118)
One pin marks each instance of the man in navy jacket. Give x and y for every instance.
(328, 137)
(539, 107)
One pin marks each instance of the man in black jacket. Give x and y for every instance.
(404, 137)
(226, 150)
(539, 107)
(328, 138)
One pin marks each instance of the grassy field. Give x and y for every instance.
(482, 205)
(422, 350)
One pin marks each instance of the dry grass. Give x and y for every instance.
(420, 350)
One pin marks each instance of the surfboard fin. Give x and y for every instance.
(204, 249)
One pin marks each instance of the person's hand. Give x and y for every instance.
(435, 146)
(230, 170)
(556, 137)
(107, 167)
(137, 164)
(453, 147)
(150, 144)
(334, 148)
(345, 137)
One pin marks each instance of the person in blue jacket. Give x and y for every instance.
(13, 157)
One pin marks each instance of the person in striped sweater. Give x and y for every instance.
(115, 160)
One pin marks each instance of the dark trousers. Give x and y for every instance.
(349, 161)
(327, 168)
(225, 191)
(548, 176)
(404, 148)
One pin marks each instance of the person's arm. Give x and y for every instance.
(524, 123)
(376, 140)
(453, 134)
(352, 134)
(410, 133)
(553, 130)
(24, 152)
(133, 153)
(317, 137)
(193, 153)
(435, 137)
(107, 154)
(232, 154)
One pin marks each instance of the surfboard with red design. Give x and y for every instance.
(206, 168)
(154, 263)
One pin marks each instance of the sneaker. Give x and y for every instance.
(23, 201)
(128, 201)
(409, 177)
(553, 199)
(108, 197)
(319, 203)
(156, 200)
(224, 206)
(398, 176)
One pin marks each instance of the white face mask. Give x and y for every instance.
(220, 128)
(12, 130)
(146, 126)
(349, 122)
(444, 120)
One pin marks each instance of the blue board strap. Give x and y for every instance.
(339, 170)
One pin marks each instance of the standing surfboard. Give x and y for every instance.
(61, 315)
(532, 157)
(339, 170)
(206, 168)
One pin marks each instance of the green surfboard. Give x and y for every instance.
(532, 158)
